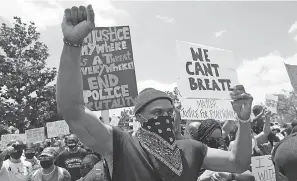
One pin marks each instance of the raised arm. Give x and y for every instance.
(238, 159)
(263, 136)
(87, 126)
(177, 124)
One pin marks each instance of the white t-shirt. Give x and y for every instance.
(15, 171)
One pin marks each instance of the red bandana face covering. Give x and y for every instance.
(157, 138)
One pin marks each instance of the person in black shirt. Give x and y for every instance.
(71, 157)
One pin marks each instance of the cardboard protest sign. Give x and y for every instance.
(271, 102)
(292, 72)
(201, 109)
(263, 168)
(205, 72)
(35, 135)
(107, 68)
(57, 128)
(5, 139)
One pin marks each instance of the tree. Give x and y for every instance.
(23, 73)
(287, 106)
(174, 95)
(125, 118)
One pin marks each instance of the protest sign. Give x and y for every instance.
(263, 168)
(5, 139)
(201, 109)
(114, 121)
(57, 128)
(35, 135)
(205, 72)
(292, 72)
(271, 102)
(107, 68)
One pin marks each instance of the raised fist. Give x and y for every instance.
(242, 102)
(78, 23)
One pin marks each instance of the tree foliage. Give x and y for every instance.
(287, 106)
(174, 95)
(23, 73)
(125, 118)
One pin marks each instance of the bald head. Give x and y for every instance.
(193, 129)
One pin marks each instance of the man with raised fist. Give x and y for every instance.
(154, 153)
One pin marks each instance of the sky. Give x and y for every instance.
(262, 35)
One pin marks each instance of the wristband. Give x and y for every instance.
(243, 121)
(72, 44)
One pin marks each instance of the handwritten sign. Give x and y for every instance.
(206, 72)
(108, 70)
(54, 129)
(271, 102)
(263, 168)
(35, 135)
(5, 139)
(201, 109)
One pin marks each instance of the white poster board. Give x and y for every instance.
(114, 121)
(35, 135)
(5, 139)
(57, 128)
(205, 72)
(271, 102)
(202, 109)
(263, 168)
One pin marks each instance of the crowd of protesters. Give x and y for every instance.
(158, 150)
(65, 158)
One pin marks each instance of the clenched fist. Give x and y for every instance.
(242, 102)
(78, 23)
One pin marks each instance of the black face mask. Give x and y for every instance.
(214, 142)
(72, 146)
(29, 155)
(16, 155)
(46, 163)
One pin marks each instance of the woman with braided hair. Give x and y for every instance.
(210, 133)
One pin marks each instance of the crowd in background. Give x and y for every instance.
(65, 158)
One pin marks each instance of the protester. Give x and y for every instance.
(30, 152)
(49, 172)
(14, 168)
(284, 157)
(143, 157)
(71, 157)
(94, 169)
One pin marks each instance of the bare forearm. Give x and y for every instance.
(245, 176)
(69, 83)
(242, 148)
(2, 157)
(266, 128)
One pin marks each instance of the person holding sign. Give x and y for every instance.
(154, 153)
(14, 168)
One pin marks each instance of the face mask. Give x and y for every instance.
(157, 138)
(16, 155)
(72, 146)
(46, 163)
(29, 155)
(213, 142)
(162, 126)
